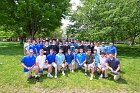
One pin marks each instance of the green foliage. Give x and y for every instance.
(28, 17)
(110, 20)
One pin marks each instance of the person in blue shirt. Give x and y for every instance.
(81, 58)
(33, 47)
(103, 48)
(70, 60)
(113, 64)
(72, 48)
(75, 54)
(51, 60)
(28, 62)
(60, 61)
(96, 58)
(112, 49)
(39, 46)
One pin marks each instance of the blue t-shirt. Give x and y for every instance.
(59, 58)
(112, 49)
(75, 57)
(33, 47)
(38, 47)
(81, 58)
(97, 59)
(28, 61)
(113, 63)
(103, 49)
(50, 58)
(69, 58)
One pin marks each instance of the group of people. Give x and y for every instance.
(73, 55)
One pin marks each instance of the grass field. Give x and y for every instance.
(12, 78)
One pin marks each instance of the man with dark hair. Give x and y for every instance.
(66, 47)
(46, 48)
(54, 46)
(113, 64)
(29, 64)
(89, 63)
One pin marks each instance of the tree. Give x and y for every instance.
(28, 17)
(110, 20)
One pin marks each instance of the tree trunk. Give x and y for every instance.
(21, 40)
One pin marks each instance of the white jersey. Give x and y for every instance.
(41, 60)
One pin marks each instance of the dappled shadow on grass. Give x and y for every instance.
(11, 49)
(119, 81)
(128, 51)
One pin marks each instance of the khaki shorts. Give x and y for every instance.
(59, 67)
(29, 73)
(89, 66)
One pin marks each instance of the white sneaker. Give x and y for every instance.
(101, 76)
(85, 74)
(91, 78)
(55, 76)
(49, 76)
(63, 73)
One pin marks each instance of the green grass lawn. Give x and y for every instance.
(13, 80)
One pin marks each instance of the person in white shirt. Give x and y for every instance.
(41, 62)
(26, 46)
(97, 47)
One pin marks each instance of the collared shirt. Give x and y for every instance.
(69, 58)
(28, 61)
(112, 49)
(50, 58)
(81, 57)
(38, 47)
(59, 58)
(33, 47)
(75, 57)
(89, 59)
(103, 49)
(113, 63)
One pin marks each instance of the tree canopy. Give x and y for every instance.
(110, 20)
(27, 18)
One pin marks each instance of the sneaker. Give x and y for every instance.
(85, 74)
(55, 76)
(91, 78)
(63, 73)
(101, 76)
(37, 79)
(49, 76)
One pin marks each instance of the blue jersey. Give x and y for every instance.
(103, 49)
(39, 47)
(50, 58)
(81, 58)
(112, 49)
(33, 47)
(28, 61)
(75, 57)
(69, 58)
(59, 58)
(97, 59)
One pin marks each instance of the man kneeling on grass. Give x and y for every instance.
(28, 62)
(113, 64)
(60, 61)
(70, 60)
(42, 64)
